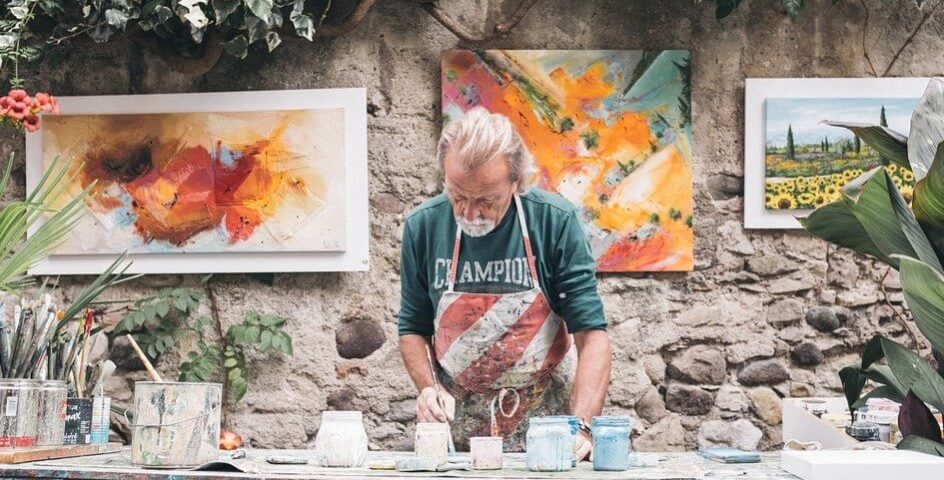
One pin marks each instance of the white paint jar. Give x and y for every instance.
(341, 440)
(486, 453)
(432, 441)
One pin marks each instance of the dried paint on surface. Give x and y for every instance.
(205, 182)
(610, 131)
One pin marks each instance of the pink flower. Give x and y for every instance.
(17, 94)
(32, 122)
(5, 104)
(46, 102)
(17, 110)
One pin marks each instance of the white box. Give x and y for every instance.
(862, 465)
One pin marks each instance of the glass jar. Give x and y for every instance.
(574, 424)
(51, 422)
(486, 453)
(611, 445)
(549, 444)
(18, 412)
(432, 441)
(342, 440)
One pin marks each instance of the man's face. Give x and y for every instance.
(479, 197)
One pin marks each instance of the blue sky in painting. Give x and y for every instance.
(806, 113)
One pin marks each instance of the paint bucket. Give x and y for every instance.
(550, 445)
(176, 424)
(432, 441)
(486, 453)
(341, 440)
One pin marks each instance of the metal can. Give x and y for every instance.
(432, 441)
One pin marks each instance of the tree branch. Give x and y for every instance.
(352, 21)
(865, 31)
(924, 19)
(460, 31)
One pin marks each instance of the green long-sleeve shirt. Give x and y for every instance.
(497, 262)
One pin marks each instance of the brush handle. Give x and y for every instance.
(147, 363)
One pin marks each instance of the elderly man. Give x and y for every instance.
(498, 282)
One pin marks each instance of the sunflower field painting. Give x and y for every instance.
(610, 131)
(808, 162)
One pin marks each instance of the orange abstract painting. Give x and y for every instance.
(258, 181)
(610, 131)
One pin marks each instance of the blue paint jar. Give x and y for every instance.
(574, 428)
(611, 443)
(549, 444)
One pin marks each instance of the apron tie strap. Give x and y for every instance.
(500, 400)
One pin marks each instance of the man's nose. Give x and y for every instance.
(471, 213)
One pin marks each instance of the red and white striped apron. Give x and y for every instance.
(489, 341)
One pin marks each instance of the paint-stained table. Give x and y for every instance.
(114, 466)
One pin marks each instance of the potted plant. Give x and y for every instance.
(907, 232)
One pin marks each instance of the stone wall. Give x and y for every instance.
(699, 357)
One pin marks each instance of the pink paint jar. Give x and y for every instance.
(486, 453)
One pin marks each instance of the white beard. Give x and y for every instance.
(476, 228)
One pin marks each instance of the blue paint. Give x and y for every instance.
(611, 443)
(549, 444)
(226, 156)
(574, 427)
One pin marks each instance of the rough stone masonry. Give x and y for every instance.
(700, 358)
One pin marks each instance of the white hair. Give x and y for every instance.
(480, 136)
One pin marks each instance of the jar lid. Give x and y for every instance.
(862, 429)
(613, 421)
(551, 420)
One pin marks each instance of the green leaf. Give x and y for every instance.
(273, 40)
(265, 338)
(882, 391)
(260, 8)
(222, 9)
(916, 443)
(725, 7)
(162, 308)
(915, 373)
(237, 47)
(792, 7)
(304, 26)
(923, 287)
(852, 384)
(287, 343)
(836, 223)
(116, 18)
(230, 363)
(253, 333)
(887, 142)
(928, 200)
(927, 129)
(234, 373)
(239, 388)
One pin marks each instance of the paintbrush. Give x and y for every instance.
(147, 363)
(439, 400)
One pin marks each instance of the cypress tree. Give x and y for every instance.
(791, 149)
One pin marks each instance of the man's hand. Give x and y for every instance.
(584, 448)
(428, 407)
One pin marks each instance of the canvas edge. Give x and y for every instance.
(758, 90)
(356, 257)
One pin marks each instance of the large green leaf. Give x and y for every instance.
(836, 223)
(887, 142)
(915, 373)
(928, 201)
(852, 384)
(920, 444)
(927, 129)
(923, 287)
(884, 214)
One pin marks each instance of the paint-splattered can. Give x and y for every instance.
(486, 453)
(611, 443)
(176, 424)
(52, 412)
(432, 441)
(549, 444)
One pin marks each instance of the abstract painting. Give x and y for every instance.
(263, 181)
(793, 162)
(610, 131)
(807, 162)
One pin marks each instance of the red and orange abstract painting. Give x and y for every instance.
(255, 181)
(610, 131)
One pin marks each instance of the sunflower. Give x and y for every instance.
(891, 168)
(805, 198)
(897, 182)
(820, 200)
(907, 175)
(907, 191)
(784, 202)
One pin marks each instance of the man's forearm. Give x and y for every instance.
(413, 350)
(593, 373)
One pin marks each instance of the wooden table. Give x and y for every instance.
(115, 466)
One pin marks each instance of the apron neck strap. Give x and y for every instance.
(526, 238)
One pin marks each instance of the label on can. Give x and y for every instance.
(11, 406)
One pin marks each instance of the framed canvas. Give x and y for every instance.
(793, 163)
(229, 182)
(610, 131)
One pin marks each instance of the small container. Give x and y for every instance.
(341, 440)
(574, 424)
(884, 420)
(18, 412)
(863, 431)
(432, 441)
(611, 446)
(549, 444)
(78, 424)
(176, 424)
(486, 453)
(52, 412)
(101, 419)
(817, 407)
